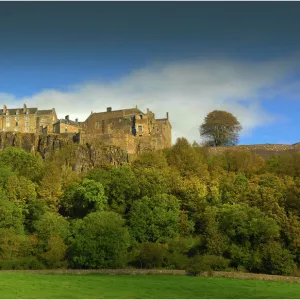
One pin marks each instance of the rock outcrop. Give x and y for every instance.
(81, 157)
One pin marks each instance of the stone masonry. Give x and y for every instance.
(129, 129)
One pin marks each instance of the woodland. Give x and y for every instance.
(178, 208)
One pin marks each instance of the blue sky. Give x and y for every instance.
(184, 58)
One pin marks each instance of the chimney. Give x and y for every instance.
(167, 116)
(4, 108)
(24, 108)
(67, 117)
(76, 120)
(147, 110)
(108, 109)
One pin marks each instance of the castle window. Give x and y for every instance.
(17, 124)
(26, 129)
(66, 129)
(97, 124)
(141, 117)
(27, 117)
(43, 122)
(7, 118)
(27, 123)
(17, 118)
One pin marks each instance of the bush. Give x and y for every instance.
(206, 263)
(24, 263)
(276, 260)
(152, 255)
(197, 265)
(177, 261)
(216, 263)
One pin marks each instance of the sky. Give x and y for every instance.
(185, 58)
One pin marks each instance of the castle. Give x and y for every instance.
(130, 129)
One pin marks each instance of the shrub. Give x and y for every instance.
(276, 260)
(177, 261)
(206, 263)
(216, 263)
(24, 263)
(197, 265)
(152, 255)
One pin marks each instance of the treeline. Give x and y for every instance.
(178, 209)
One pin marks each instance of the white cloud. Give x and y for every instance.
(188, 90)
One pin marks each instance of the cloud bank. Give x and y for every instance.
(188, 90)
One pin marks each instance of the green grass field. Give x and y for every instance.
(140, 286)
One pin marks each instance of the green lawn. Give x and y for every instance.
(140, 286)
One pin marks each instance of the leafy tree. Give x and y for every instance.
(151, 159)
(246, 225)
(215, 242)
(54, 255)
(11, 215)
(187, 159)
(53, 232)
(120, 185)
(10, 244)
(50, 188)
(242, 160)
(122, 188)
(100, 241)
(52, 224)
(220, 128)
(21, 162)
(152, 181)
(81, 199)
(154, 219)
(276, 260)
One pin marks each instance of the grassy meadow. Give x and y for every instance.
(140, 286)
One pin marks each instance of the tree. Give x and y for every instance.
(52, 231)
(50, 188)
(101, 240)
(220, 128)
(22, 163)
(186, 159)
(120, 185)
(81, 199)
(154, 219)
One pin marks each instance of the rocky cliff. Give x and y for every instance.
(82, 157)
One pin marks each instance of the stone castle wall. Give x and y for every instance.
(264, 150)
